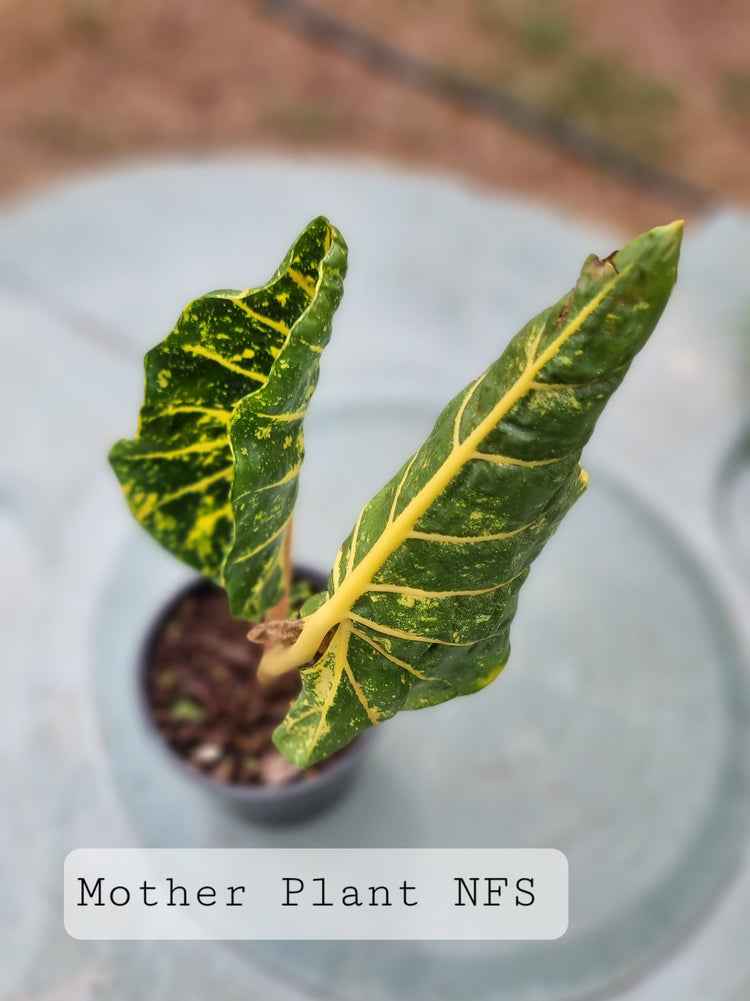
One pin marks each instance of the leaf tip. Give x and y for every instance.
(322, 225)
(671, 234)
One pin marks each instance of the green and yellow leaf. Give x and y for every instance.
(423, 592)
(212, 471)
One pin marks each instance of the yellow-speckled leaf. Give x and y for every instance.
(204, 448)
(424, 589)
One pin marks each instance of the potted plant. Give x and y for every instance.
(418, 606)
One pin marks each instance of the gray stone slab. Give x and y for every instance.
(93, 273)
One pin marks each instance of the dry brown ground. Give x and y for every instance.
(87, 82)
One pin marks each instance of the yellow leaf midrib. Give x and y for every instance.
(357, 578)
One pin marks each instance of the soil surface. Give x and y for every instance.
(87, 83)
(205, 697)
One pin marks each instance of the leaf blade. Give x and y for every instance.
(517, 433)
(179, 472)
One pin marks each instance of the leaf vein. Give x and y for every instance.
(397, 493)
(462, 540)
(198, 349)
(269, 540)
(190, 488)
(507, 460)
(266, 321)
(202, 446)
(415, 592)
(394, 660)
(402, 635)
(302, 281)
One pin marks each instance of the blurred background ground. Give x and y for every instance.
(85, 83)
(92, 84)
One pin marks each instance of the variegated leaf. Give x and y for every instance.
(424, 589)
(225, 397)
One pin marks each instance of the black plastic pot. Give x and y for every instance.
(282, 804)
